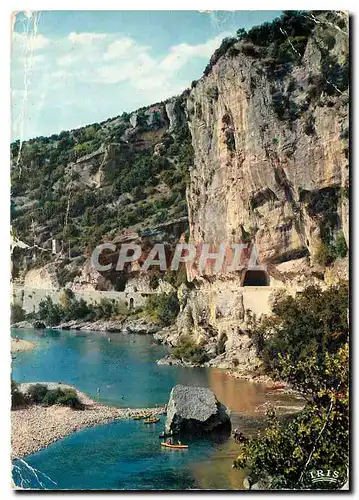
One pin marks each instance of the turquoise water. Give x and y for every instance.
(124, 369)
(127, 454)
(121, 455)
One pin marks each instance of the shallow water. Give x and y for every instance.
(127, 454)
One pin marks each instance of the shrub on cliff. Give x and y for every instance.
(107, 309)
(340, 248)
(187, 350)
(218, 53)
(17, 313)
(323, 255)
(163, 307)
(327, 252)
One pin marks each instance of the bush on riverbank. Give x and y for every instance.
(17, 398)
(188, 351)
(305, 342)
(37, 393)
(40, 394)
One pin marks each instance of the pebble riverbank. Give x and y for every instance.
(18, 345)
(35, 427)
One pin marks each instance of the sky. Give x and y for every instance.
(73, 68)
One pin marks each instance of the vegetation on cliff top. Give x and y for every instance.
(136, 176)
(281, 41)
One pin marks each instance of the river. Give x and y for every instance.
(126, 454)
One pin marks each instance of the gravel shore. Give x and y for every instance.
(18, 345)
(36, 427)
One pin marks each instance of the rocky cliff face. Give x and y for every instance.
(271, 168)
(266, 151)
(110, 181)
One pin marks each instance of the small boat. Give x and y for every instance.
(175, 446)
(152, 420)
(276, 387)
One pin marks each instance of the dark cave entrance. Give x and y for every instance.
(256, 278)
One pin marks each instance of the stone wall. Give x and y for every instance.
(29, 298)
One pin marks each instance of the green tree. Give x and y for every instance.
(283, 455)
(307, 326)
(304, 342)
(187, 350)
(51, 314)
(17, 397)
(17, 313)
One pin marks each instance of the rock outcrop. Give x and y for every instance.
(43, 277)
(196, 410)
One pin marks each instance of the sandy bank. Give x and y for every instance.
(36, 427)
(18, 345)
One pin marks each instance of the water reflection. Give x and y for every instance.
(217, 469)
(249, 398)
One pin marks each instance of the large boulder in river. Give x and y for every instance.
(196, 410)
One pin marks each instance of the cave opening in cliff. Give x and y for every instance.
(256, 278)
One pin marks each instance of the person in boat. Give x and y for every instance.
(239, 437)
(169, 441)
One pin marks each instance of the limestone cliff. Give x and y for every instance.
(260, 172)
(271, 168)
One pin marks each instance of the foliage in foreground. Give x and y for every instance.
(305, 342)
(308, 326)
(316, 439)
